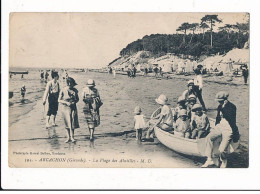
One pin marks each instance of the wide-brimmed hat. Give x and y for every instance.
(91, 82)
(196, 107)
(181, 99)
(71, 81)
(192, 96)
(191, 82)
(182, 112)
(137, 110)
(162, 99)
(222, 95)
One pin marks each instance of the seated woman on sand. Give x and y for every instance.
(164, 120)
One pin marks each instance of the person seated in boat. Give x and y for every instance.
(180, 105)
(139, 122)
(189, 91)
(164, 120)
(200, 124)
(191, 102)
(182, 125)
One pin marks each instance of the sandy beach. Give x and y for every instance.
(115, 137)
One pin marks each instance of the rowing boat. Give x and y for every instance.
(18, 72)
(188, 146)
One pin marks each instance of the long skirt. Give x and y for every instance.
(70, 116)
(92, 117)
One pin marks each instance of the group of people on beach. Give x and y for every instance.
(189, 120)
(68, 97)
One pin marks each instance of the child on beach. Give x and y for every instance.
(139, 123)
(165, 120)
(68, 98)
(52, 92)
(182, 125)
(200, 123)
(92, 101)
(180, 105)
(23, 90)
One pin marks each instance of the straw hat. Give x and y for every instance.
(192, 96)
(91, 82)
(162, 99)
(196, 107)
(190, 82)
(181, 99)
(182, 112)
(221, 96)
(137, 110)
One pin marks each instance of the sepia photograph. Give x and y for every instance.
(129, 90)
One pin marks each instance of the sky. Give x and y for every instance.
(88, 40)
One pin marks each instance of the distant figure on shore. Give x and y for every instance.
(91, 98)
(10, 76)
(139, 123)
(145, 71)
(134, 72)
(23, 91)
(42, 75)
(52, 93)
(225, 128)
(110, 70)
(68, 98)
(114, 72)
(156, 71)
(46, 76)
(198, 85)
(22, 76)
(245, 73)
(160, 71)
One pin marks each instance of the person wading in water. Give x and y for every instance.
(92, 102)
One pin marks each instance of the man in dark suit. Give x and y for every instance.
(225, 128)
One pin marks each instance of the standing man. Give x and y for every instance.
(225, 128)
(245, 74)
(198, 87)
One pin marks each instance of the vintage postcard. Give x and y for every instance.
(128, 90)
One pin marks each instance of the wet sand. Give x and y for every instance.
(115, 137)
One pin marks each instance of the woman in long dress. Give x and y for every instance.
(68, 98)
(92, 102)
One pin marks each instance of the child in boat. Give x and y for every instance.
(191, 102)
(23, 90)
(200, 123)
(182, 125)
(165, 120)
(139, 122)
(180, 105)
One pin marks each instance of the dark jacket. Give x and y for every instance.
(229, 113)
